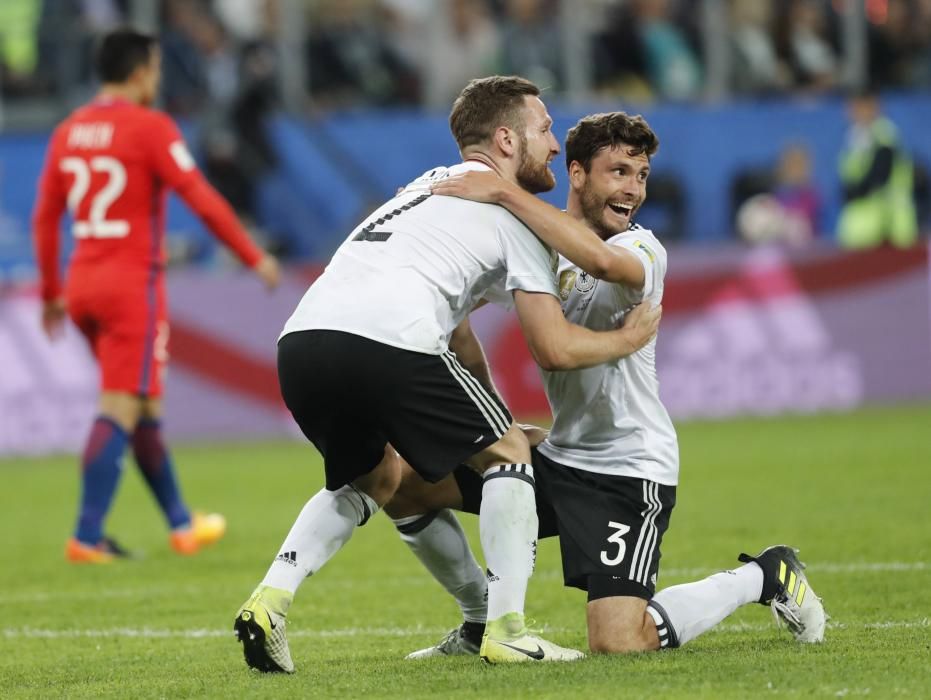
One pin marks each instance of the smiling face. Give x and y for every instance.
(615, 186)
(608, 158)
(538, 146)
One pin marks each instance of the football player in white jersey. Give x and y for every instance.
(380, 351)
(606, 474)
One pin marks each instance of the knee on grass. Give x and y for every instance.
(621, 641)
(620, 625)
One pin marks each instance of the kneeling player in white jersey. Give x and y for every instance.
(606, 475)
(380, 351)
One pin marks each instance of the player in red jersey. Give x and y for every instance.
(111, 163)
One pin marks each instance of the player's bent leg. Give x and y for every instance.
(685, 611)
(189, 532)
(421, 513)
(620, 624)
(416, 496)
(512, 448)
(101, 468)
(507, 521)
(324, 525)
(382, 482)
(508, 528)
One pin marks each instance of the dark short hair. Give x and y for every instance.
(609, 130)
(487, 103)
(122, 51)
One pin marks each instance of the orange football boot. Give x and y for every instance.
(79, 553)
(205, 529)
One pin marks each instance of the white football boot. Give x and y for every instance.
(260, 626)
(507, 640)
(787, 591)
(455, 643)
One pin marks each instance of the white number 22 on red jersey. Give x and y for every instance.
(97, 225)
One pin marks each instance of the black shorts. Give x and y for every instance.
(610, 527)
(351, 396)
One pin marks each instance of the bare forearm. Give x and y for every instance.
(580, 348)
(557, 229)
(557, 344)
(573, 239)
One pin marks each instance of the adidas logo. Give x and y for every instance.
(795, 587)
(735, 356)
(288, 558)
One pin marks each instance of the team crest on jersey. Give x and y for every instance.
(649, 253)
(566, 280)
(585, 282)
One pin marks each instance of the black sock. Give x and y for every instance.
(472, 631)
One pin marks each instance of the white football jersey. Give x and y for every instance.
(415, 268)
(608, 418)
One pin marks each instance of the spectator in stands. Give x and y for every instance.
(797, 194)
(755, 66)
(532, 42)
(19, 21)
(406, 25)
(464, 43)
(789, 210)
(249, 21)
(618, 64)
(890, 47)
(229, 88)
(804, 45)
(350, 59)
(672, 65)
(878, 181)
(236, 150)
(184, 71)
(645, 52)
(921, 32)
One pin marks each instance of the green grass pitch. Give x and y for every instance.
(852, 491)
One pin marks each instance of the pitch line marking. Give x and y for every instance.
(424, 579)
(200, 633)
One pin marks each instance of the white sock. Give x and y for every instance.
(694, 608)
(323, 527)
(508, 528)
(437, 539)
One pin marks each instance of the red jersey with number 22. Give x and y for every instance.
(111, 163)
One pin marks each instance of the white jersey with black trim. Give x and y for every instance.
(608, 418)
(415, 268)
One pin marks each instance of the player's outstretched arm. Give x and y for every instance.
(222, 221)
(556, 344)
(172, 162)
(573, 239)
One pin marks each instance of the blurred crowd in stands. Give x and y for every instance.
(420, 52)
(227, 64)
